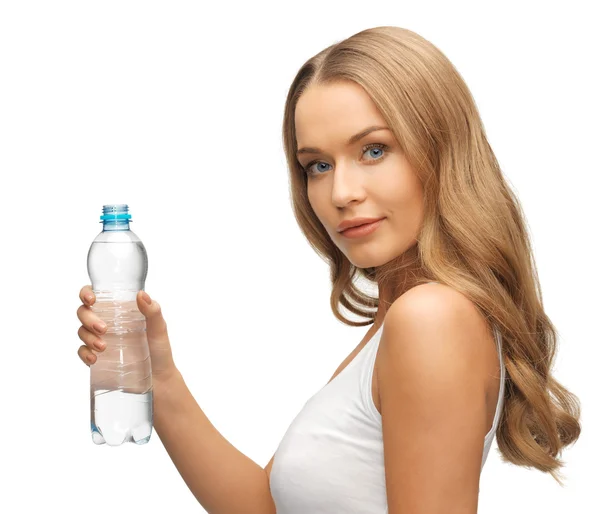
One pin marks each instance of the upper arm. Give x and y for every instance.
(432, 392)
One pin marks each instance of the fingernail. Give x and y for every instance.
(146, 298)
(99, 327)
(89, 298)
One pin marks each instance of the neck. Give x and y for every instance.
(114, 226)
(396, 278)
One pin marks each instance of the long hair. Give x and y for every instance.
(473, 238)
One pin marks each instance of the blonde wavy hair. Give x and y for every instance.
(473, 238)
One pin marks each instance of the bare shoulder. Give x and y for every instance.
(433, 315)
(439, 307)
(429, 299)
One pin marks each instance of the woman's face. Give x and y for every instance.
(367, 178)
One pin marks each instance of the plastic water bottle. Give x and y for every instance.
(121, 377)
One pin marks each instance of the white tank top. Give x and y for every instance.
(330, 459)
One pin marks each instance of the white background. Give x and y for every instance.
(175, 108)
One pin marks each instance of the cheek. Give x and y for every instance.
(404, 185)
(311, 198)
(404, 197)
(321, 206)
(315, 201)
(316, 195)
(413, 211)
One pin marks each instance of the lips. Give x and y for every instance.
(363, 230)
(356, 222)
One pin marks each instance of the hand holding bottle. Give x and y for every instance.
(161, 356)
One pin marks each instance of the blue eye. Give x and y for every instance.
(376, 149)
(379, 148)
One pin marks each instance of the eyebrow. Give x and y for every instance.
(352, 140)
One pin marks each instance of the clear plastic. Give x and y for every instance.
(121, 377)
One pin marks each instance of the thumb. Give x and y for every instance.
(156, 326)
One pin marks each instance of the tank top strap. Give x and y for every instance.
(500, 400)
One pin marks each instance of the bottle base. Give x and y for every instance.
(119, 417)
(130, 437)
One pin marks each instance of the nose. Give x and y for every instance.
(347, 185)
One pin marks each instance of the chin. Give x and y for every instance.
(363, 263)
(364, 260)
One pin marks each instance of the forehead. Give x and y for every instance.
(334, 111)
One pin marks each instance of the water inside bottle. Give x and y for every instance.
(121, 377)
(119, 417)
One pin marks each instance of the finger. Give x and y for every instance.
(156, 326)
(90, 321)
(87, 296)
(86, 355)
(91, 340)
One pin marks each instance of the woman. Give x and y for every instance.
(381, 126)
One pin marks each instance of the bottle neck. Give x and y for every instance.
(115, 225)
